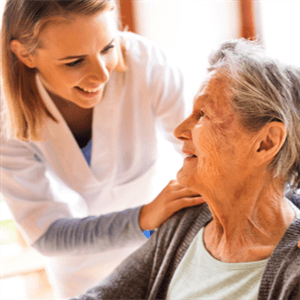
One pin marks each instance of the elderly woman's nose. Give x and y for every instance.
(182, 132)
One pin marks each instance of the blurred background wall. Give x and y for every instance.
(190, 29)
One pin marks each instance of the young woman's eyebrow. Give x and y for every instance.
(83, 56)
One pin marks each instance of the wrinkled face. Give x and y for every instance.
(77, 57)
(216, 145)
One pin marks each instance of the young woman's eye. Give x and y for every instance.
(75, 63)
(107, 49)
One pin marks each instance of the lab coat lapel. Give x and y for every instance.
(61, 149)
(106, 126)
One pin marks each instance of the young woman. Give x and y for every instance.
(80, 104)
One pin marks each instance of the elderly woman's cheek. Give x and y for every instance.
(208, 167)
(220, 150)
(206, 145)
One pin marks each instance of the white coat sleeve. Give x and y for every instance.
(26, 189)
(48, 225)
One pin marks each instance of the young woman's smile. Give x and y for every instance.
(77, 58)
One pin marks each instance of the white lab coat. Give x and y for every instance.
(46, 180)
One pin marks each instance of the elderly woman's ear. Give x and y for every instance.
(269, 142)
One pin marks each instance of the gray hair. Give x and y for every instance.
(264, 90)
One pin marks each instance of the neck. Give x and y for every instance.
(62, 104)
(71, 112)
(247, 225)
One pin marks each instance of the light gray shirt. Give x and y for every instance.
(201, 276)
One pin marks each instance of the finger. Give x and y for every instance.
(185, 202)
(174, 185)
(191, 201)
(185, 193)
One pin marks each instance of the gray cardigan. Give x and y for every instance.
(147, 273)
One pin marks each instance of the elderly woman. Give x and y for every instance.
(242, 143)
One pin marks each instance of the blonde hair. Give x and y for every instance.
(23, 20)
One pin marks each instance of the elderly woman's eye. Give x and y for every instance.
(200, 115)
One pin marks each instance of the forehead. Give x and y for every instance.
(214, 95)
(79, 35)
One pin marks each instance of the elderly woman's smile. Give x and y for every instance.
(216, 144)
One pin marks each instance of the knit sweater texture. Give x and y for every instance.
(147, 273)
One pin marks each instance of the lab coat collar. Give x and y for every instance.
(61, 149)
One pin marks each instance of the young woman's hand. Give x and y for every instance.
(172, 198)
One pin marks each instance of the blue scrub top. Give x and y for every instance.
(86, 151)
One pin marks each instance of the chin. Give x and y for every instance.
(187, 180)
(183, 178)
(87, 104)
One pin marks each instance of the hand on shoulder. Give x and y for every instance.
(173, 198)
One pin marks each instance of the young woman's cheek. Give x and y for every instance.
(112, 62)
(75, 76)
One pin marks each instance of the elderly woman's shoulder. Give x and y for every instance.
(186, 221)
(284, 267)
(294, 197)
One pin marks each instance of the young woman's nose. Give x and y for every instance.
(99, 72)
(183, 130)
